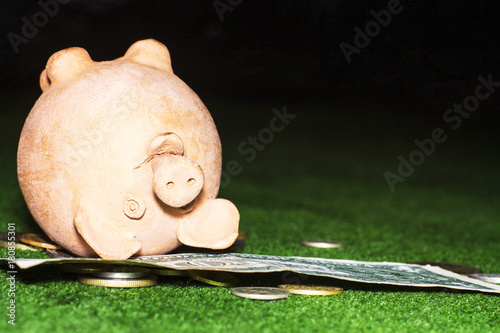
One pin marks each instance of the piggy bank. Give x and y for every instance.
(121, 158)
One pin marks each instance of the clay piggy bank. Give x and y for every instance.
(121, 158)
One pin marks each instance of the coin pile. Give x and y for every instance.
(127, 276)
(116, 276)
(130, 276)
(121, 277)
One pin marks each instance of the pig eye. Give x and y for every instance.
(134, 208)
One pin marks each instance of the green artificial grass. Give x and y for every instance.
(320, 177)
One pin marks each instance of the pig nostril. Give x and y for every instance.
(170, 185)
(191, 181)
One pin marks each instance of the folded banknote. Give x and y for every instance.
(388, 273)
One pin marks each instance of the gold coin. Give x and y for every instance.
(215, 278)
(311, 290)
(167, 272)
(322, 244)
(39, 240)
(119, 283)
(20, 246)
(83, 268)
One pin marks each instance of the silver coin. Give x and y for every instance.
(260, 293)
(124, 272)
(491, 278)
(322, 244)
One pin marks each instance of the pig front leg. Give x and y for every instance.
(212, 225)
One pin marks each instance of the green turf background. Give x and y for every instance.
(321, 177)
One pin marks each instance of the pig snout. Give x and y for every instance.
(177, 180)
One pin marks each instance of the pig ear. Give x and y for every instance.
(108, 240)
(64, 64)
(165, 143)
(151, 53)
(213, 225)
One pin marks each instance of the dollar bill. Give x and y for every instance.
(388, 273)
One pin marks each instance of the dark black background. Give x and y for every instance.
(429, 55)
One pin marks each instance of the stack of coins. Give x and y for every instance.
(119, 277)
